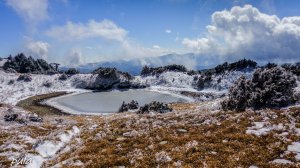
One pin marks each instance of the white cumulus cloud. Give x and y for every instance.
(33, 11)
(37, 49)
(74, 57)
(113, 39)
(245, 32)
(104, 29)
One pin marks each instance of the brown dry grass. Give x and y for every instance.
(222, 144)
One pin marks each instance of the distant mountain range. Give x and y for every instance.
(134, 66)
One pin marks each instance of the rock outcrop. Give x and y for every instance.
(108, 78)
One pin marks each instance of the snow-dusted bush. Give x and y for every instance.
(203, 81)
(238, 95)
(154, 107)
(159, 70)
(47, 84)
(271, 87)
(63, 77)
(10, 82)
(22, 64)
(235, 66)
(25, 78)
(129, 106)
(295, 69)
(72, 71)
(35, 118)
(10, 70)
(10, 117)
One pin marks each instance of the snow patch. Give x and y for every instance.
(282, 161)
(48, 149)
(263, 128)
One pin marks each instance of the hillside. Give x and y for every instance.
(198, 133)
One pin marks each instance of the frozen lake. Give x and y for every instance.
(109, 102)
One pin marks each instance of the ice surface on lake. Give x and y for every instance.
(108, 102)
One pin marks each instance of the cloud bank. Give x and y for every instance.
(245, 32)
(115, 42)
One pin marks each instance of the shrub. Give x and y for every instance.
(106, 72)
(10, 117)
(159, 70)
(270, 65)
(34, 118)
(204, 81)
(238, 96)
(25, 78)
(129, 106)
(269, 88)
(235, 66)
(10, 82)
(124, 85)
(72, 71)
(22, 64)
(295, 69)
(155, 107)
(47, 84)
(63, 77)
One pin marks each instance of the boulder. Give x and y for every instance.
(107, 78)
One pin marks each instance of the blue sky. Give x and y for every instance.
(78, 31)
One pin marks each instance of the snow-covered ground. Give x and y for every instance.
(13, 90)
(45, 142)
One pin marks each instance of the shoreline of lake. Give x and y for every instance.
(35, 104)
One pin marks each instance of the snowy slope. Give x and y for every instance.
(182, 80)
(2, 62)
(16, 90)
(11, 90)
